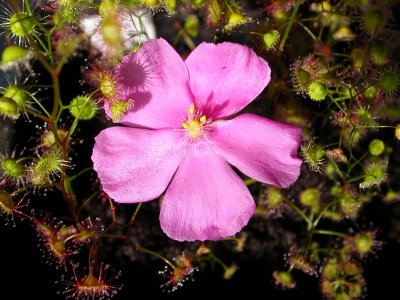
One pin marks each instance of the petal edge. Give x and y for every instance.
(206, 200)
(131, 164)
(261, 148)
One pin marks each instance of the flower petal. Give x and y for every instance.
(206, 199)
(157, 80)
(226, 77)
(263, 149)
(135, 164)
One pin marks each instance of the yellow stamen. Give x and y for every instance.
(194, 123)
(194, 128)
(191, 109)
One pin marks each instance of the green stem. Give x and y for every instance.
(375, 126)
(135, 214)
(289, 25)
(56, 94)
(329, 232)
(36, 114)
(144, 250)
(113, 236)
(38, 103)
(216, 259)
(71, 129)
(356, 178)
(357, 162)
(188, 40)
(86, 202)
(321, 214)
(73, 177)
(308, 31)
(39, 55)
(299, 211)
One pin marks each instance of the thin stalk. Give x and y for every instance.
(144, 250)
(299, 211)
(135, 214)
(330, 232)
(289, 25)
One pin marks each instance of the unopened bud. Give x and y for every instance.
(317, 90)
(13, 53)
(9, 108)
(22, 24)
(82, 108)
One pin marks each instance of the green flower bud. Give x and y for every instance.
(376, 147)
(12, 168)
(17, 94)
(82, 108)
(13, 53)
(274, 196)
(22, 24)
(317, 90)
(9, 108)
(192, 25)
(364, 242)
(310, 198)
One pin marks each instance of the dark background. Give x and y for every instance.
(24, 273)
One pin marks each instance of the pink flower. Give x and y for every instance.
(180, 140)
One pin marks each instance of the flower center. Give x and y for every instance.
(195, 123)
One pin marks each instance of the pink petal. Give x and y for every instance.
(134, 164)
(156, 78)
(206, 199)
(226, 77)
(263, 149)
